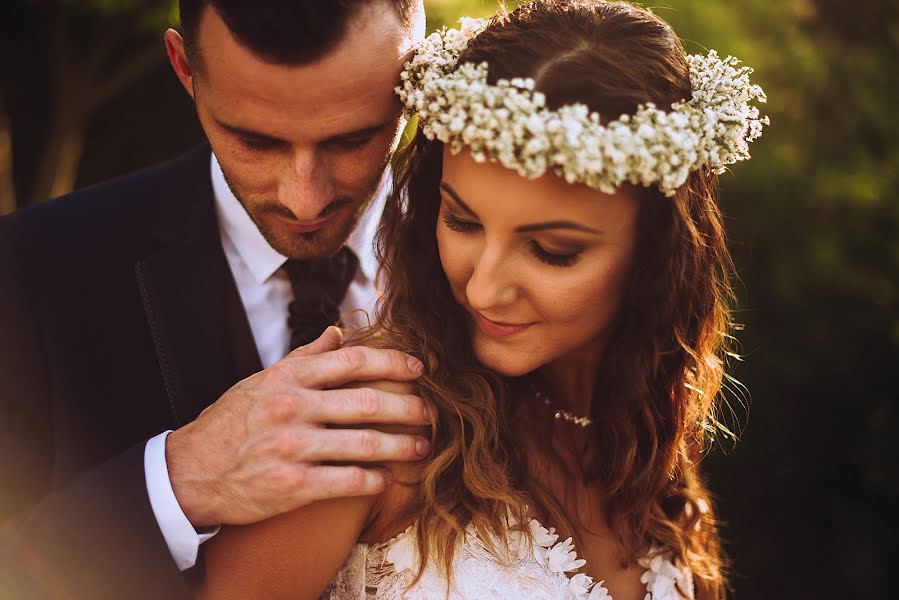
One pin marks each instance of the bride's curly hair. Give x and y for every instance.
(654, 408)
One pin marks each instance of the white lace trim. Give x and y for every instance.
(545, 569)
(663, 578)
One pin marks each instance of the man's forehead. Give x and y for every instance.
(306, 114)
(348, 89)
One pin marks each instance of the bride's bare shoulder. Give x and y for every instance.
(394, 509)
(293, 555)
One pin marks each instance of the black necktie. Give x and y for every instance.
(319, 286)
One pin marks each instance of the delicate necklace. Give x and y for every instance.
(560, 413)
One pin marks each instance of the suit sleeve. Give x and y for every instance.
(93, 537)
(25, 436)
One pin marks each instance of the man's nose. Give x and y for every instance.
(492, 282)
(306, 187)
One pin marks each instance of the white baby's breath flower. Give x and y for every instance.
(508, 122)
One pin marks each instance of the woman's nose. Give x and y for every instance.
(491, 283)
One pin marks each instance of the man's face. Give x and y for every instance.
(302, 147)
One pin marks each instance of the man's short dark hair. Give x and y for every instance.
(291, 32)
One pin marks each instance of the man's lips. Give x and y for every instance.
(499, 329)
(304, 227)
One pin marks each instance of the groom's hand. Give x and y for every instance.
(258, 450)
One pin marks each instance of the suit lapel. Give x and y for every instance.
(199, 328)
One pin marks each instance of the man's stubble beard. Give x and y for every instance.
(313, 244)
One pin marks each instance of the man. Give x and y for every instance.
(144, 396)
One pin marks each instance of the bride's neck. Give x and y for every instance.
(571, 379)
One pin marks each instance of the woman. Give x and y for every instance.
(572, 315)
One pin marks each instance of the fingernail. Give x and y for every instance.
(422, 446)
(416, 366)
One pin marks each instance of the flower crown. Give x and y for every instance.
(510, 123)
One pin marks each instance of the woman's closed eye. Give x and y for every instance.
(555, 259)
(457, 224)
(552, 258)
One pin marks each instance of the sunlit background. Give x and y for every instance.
(810, 493)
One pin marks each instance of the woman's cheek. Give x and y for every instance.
(451, 257)
(583, 306)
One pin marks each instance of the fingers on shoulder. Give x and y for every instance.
(385, 385)
(383, 350)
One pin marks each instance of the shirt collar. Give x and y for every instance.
(362, 240)
(261, 259)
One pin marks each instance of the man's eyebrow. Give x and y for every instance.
(358, 133)
(524, 228)
(249, 133)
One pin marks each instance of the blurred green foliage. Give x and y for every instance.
(810, 494)
(812, 491)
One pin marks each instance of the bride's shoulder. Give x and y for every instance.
(394, 509)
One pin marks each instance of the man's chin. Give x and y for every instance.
(321, 243)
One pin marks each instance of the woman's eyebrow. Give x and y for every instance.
(524, 228)
(556, 225)
(452, 194)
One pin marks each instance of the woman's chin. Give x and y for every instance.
(505, 363)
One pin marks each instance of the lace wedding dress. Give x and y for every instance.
(538, 571)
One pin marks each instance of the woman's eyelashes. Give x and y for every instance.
(457, 224)
(555, 259)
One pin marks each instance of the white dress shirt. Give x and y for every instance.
(265, 292)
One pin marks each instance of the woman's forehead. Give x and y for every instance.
(489, 189)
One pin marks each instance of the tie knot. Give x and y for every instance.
(319, 286)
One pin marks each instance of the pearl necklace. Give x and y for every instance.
(561, 414)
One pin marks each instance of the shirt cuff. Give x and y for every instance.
(180, 536)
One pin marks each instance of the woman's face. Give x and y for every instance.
(539, 265)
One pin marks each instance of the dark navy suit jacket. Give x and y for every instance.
(119, 319)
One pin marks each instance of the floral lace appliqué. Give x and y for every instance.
(543, 568)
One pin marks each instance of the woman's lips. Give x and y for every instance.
(499, 329)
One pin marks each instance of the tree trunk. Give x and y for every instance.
(64, 142)
(7, 176)
(79, 90)
(58, 168)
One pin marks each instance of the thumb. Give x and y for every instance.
(330, 339)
